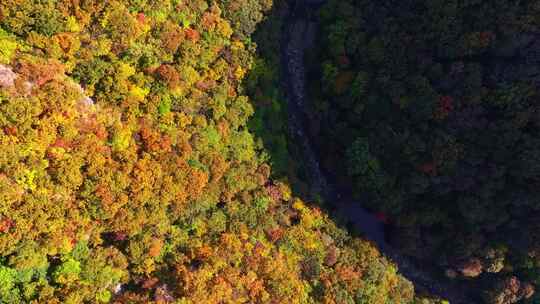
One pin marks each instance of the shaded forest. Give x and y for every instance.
(429, 111)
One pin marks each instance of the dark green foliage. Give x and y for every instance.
(433, 106)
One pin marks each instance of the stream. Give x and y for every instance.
(299, 33)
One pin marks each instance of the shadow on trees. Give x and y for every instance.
(269, 125)
(265, 84)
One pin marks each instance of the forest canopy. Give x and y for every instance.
(128, 173)
(429, 111)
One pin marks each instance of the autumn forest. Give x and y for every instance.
(163, 151)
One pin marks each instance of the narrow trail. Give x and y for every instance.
(298, 37)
